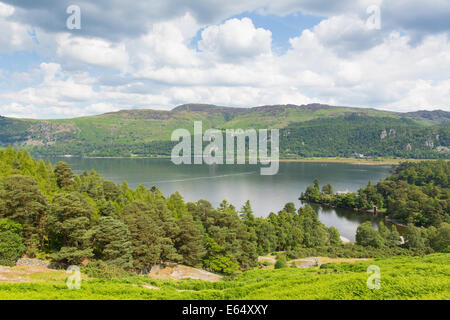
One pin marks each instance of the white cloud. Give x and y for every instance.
(96, 52)
(50, 70)
(347, 34)
(13, 35)
(165, 45)
(56, 94)
(6, 10)
(236, 39)
(101, 107)
(339, 61)
(426, 95)
(376, 76)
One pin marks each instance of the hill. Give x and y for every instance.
(343, 131)
(118, 234)
(401, 278)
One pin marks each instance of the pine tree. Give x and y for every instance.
(334, 237)
(316, 184)
(176, 204)
(441, 240)
(383, 230)
(22, 201)
(366, 235)
(394, 237)
(64, 176)
(11, 242)
(328, 189)
(146, 235)
(111, 243)
(171, 231)
(314, 232)
(247, 215)
(69, 223)
(189, 242)
(413, 238)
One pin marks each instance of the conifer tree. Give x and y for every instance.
(22, 201)
(64, 176)
(334, 237)
(69, 221)
(394, 237)
(146, 235)
(111, 243)
(190, 243)
(176, 204)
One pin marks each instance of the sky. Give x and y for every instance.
(384, 54)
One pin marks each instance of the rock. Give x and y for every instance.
(306, 262)
(442, 149)
(178, 272)
(33, 263)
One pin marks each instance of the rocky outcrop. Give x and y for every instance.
(385, 134)
(177, 272)
(33, 263)
(442, 149)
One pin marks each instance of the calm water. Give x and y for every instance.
(239, 183)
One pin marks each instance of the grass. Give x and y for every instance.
(401, 278)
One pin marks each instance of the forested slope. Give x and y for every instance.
(49, 212)
(307, 130)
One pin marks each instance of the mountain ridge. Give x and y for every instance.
(199, 107)
(305, 130)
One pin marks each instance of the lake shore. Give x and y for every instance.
(377, 161)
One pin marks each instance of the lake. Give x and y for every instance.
(239, 183)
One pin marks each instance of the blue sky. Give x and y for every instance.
(20, 61)
(158, 54)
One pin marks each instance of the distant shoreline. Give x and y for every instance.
(381, 161)
(378, 161)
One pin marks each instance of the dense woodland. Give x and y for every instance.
(353, 134)
(49, 212)
(416, 194)
(341, 135)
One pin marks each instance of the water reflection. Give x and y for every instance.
(345, 220)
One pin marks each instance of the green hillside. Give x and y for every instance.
(405, 278)
(307, 130)
(119, 233)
